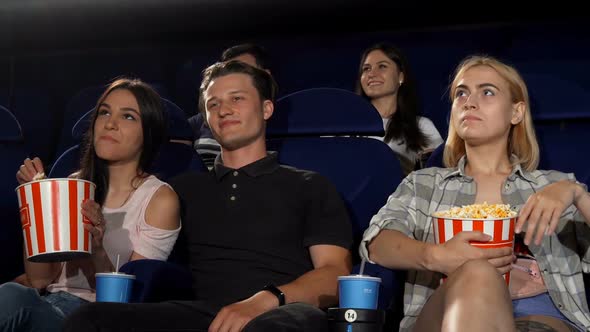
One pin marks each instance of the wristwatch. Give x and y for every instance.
(276, 292)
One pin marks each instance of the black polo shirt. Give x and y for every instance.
(247, 227)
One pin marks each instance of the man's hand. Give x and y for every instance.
(450, 255)
(234, 317)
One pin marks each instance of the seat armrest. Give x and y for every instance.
(157, 281)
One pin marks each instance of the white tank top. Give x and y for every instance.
(126, 232)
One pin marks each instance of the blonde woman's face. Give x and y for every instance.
(483, 110)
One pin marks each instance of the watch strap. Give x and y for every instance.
(276, 292)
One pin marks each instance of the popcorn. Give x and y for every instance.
(478, 211)
(39, 176)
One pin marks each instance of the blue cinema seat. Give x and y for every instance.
(321, 130)
(157, 281)
(75, 108)
(13, 152)
(586, 178)
(563, 145)
(34, 109)
(436, 157)
(561, 124)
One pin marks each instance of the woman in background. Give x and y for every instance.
(385, 80)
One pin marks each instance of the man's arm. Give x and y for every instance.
(319, 287)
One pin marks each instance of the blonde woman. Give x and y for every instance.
(491, 154)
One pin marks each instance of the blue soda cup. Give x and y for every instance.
(114, 287)
(358, 291)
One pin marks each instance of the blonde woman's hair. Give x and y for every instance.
(522, 141)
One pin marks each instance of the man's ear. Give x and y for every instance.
(267, 109)
(517, 113)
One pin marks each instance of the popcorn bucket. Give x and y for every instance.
(500, 229)
(52, 220)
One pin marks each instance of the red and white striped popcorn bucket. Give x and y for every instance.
(52, 220)
(501, 230)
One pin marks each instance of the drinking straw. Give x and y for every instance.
(362, 267)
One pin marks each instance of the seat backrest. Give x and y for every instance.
(178, 125)
(10, 128)
(586, 178)
(436, 157)
(318, 130)
(75, 109)
(545, 90)
(36, 112)
(324, 111)
(174, 159)
(67, 163)
(563, 146)
(13, 152)
(363, 180)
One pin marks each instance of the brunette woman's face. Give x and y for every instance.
(118, 132)
(380, 75)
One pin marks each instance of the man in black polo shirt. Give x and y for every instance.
(266, 242)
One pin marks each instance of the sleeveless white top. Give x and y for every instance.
(126, 232)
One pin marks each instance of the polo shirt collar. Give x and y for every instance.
(258, 168)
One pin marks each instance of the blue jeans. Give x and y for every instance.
(23, 309)
(538, 305)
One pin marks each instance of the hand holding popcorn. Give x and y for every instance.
(30, 170)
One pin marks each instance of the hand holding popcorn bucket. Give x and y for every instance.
(52, 220)
(496, 220)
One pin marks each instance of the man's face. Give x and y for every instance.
(235, 112)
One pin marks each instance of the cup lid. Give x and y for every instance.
(115, 274)
(359, 276)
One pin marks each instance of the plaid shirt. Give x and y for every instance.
(562, 257)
